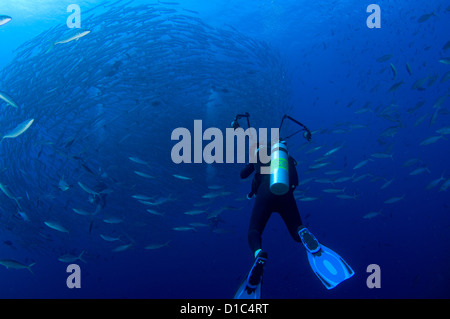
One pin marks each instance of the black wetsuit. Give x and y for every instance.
(266, 203)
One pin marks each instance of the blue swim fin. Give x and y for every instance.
(251, 286)
(328, 266)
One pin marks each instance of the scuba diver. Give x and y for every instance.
(274, 193)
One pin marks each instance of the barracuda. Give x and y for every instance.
(75, 37)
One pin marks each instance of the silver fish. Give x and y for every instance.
(386, 184)
(440, 101)
(198, 225)
(142, 197)
(183, 228)
(444, 130)
(314, 149)
(334, 150)
(70, 258)
(122, 248)
(81, 212)
(19, 129)
(345, 196)
(425, 17)
(215, 187)
(12, 264)
(157, 202)
(62, 185)
(333, 172)
(305, 181)
(384, 58)
(5, 97)
(24, 216)
(56, 226)
(87, 189)
(5, 191)
(76, 37)
(316, 166)
(137, 160)
(195, 212)
(182, 177)
(410, 162)
(361, 177)
(445, 186)
(372, 215)
(419, 170)
(394, 70)
(390, 131)
(308, 199)
(445, 77)
(382, 155)
(434, 117)
(4, 19)
(211, 195)
(112, 220)
(394, 200)
(395, 86)
(431, 140)
(109, 238)
(435, 182)
(344, 179)
(408, 68)
(143, 174)
(157, 246)
(154, 212)
(323, 181)
(362, 163)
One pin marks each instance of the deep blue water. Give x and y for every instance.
(318, 61)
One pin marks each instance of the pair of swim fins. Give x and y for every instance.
(328, 266)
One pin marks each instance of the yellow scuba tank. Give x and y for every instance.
(279, 169)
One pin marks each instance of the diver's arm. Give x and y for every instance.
(247, 170)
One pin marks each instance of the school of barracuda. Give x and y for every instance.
(87, 116)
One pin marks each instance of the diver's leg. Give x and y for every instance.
(291, 216)
(260, 215)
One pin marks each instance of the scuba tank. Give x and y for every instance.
(279, 169)
(279, 164)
